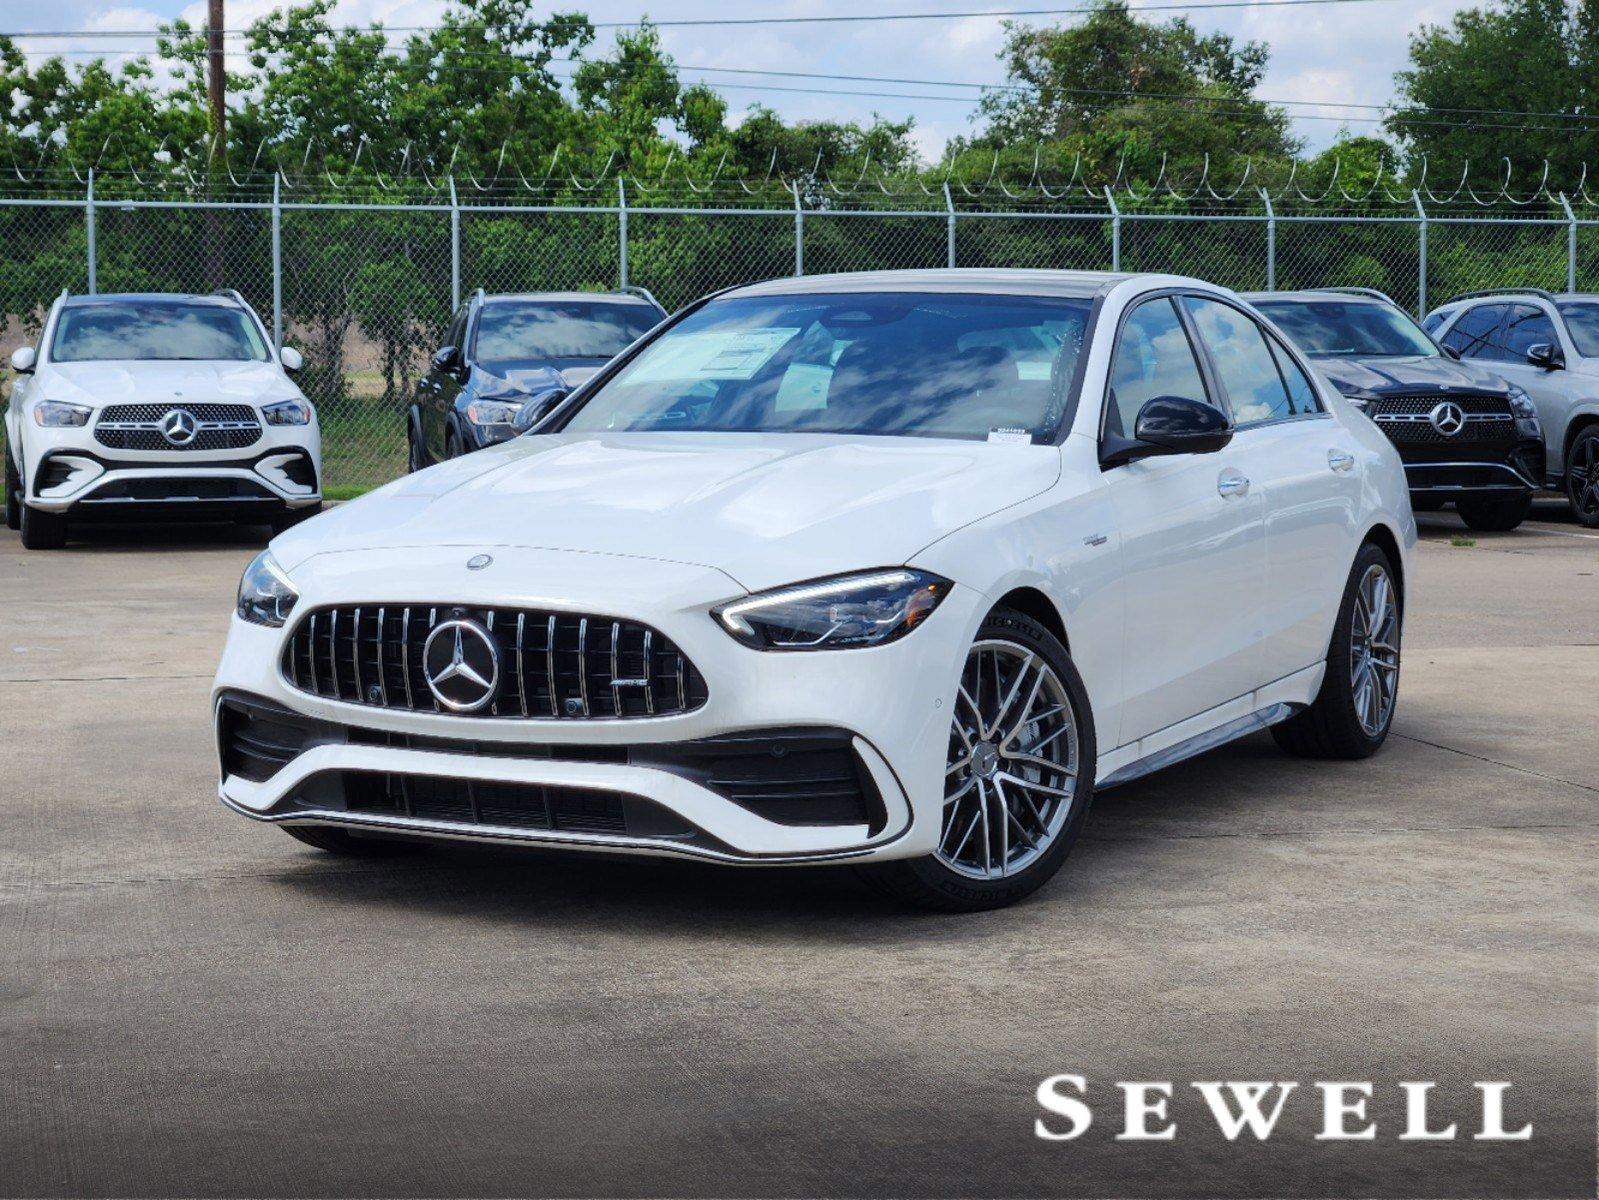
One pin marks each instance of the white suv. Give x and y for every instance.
(156, 406)
(1549, 345)
(889, 569)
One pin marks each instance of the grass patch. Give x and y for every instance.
(1461, 539)
(345, 491)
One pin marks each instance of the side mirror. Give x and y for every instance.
(536, 409)
(447, 359)
(22, 360)
(1179, 425)
(290, 358)
(1546, 355)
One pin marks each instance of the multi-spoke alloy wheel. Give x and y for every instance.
(1013, 762)
(1582, 478)
(1374, 650)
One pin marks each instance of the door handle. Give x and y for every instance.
(1231, 484)
(1340, 460)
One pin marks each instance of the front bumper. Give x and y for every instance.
(1442, 475)
(619, 784)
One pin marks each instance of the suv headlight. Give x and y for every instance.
(1526, 413)
(57, 414)
(493, 412)
(287, 412)
(266, 597)
(870, 609)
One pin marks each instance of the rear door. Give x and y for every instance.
(1192, 541)
(1521, 327)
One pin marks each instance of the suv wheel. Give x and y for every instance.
(1582, 476)
(13, 496)
(1494, 515)
(42, 530)
(1018, 777)
(413, 448)
(1354, 710)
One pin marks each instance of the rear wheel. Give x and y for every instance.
(1497, 514)
(42, 530)
(13, 496)
(1582, 476)
(338, 841)
(1352, 713)
(1018, 777)
(413, 443)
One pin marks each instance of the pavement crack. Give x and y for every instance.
(1496, 763)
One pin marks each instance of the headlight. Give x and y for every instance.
(871, 609)
(56, 414)
(1526, 413)
(1360, 402)
(492, 412)
(266, 597)
(287, 412)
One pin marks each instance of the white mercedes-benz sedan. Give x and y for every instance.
(889, 569)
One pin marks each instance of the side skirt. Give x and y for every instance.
(1200, 744)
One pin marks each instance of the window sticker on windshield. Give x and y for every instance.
(713, 354)
(804, 387)
(1009, 435)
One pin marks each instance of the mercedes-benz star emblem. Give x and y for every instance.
(478, 561)
(461, 664)
(1447, 418)
(179, 427)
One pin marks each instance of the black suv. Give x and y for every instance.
(1466, 435)
(508, 360)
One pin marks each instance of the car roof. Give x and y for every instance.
(1312, 295)
(957, 279)
(82, 301)
(567, 297)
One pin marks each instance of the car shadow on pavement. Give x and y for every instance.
(116, 537)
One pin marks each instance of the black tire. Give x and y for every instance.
(1582, 476)
(13, 495)
(1330, 727)
(1495, 515)
(288, 520)
(452, 445)
(413, 449)
(42, 530)
(928, 882)
(337, 841)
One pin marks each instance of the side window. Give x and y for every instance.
(1433, 321)
(1302, 396)
(1526, 327)
(1243, 360)
(1471, 335)
(1153, 358)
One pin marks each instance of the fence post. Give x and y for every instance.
(1115, 231)
(1571, 245)
(949, 207)
(455, 248)
(621, 232)
(1271, 242)
(88, 223)
(1421, 257)
(799, 231)
(277, 263)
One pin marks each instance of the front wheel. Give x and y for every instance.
(1494, 515)
(1352, 713)
(13, 496)
(1018, 777)
(1582, 476)
(413, 443)
(42, 530)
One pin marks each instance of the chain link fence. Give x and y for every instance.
(365, 291)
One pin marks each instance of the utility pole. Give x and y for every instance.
(217, 91)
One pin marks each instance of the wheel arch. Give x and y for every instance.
(1031, 602)
(1584, 417)
(1384, 538)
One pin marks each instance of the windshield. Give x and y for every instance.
(511, 331)
(1582, 321)
(1354, 328)
(156, 330)
(958, 365)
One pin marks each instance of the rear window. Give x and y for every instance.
(156, 330)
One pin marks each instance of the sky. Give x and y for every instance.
(1344, 52)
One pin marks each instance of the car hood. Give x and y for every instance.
(158, 382)
(763, 509)
(1370, 376)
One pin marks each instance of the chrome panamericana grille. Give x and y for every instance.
(138, 426)
(1407, 419)
(567, 666)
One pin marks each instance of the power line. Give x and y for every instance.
(841, 18)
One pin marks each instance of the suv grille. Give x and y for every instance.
(552, 665)
(138, 427)
(1405, 419)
